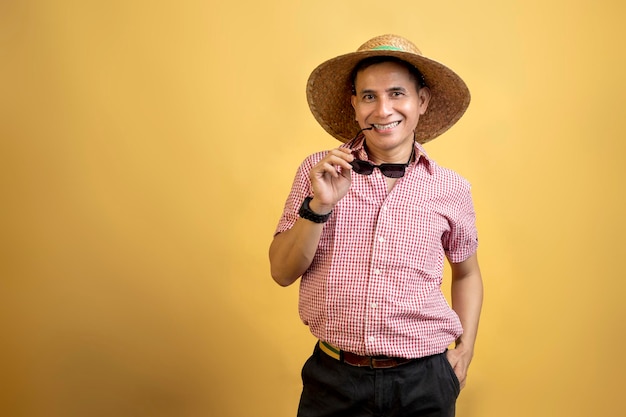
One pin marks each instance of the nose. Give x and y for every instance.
(383, 107)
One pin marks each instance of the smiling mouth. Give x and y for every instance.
(386, 127)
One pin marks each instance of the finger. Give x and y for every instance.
(335, 161)
(347, 173)
(325, 169)
(346, 151)
(461, 376)
(334, 168)
(341, 153)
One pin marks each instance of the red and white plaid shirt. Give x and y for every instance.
(374, 286)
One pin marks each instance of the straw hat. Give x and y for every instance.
(329, 89)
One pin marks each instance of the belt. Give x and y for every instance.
(375, 362)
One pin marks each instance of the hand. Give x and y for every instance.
(329, 185)
(460, 359)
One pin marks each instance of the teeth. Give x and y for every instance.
(385, 127)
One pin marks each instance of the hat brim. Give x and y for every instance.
(329, 91)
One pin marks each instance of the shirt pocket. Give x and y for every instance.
(415, 242)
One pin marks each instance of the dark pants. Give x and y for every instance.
(425, 387)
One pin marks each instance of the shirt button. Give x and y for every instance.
(381, 239)
(377, 272)
(372, 339)
(374, 305)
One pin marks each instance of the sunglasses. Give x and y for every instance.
(388, 170)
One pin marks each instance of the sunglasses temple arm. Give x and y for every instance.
(360, 131)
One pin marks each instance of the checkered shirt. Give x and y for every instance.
(374, 286)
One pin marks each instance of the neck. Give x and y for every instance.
(399, 155)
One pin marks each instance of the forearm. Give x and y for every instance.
(467, 299)
(292, 251)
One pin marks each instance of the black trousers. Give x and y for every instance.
(426, 387)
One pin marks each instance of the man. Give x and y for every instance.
(368, 225)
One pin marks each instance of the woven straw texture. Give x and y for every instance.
(329, 89)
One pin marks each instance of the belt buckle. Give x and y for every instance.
(381, 363)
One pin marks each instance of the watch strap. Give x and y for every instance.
(308, 214)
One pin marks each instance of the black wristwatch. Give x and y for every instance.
(306, 212)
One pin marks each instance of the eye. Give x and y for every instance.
(397, 94)
(368, 97)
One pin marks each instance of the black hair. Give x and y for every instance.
(420, 82)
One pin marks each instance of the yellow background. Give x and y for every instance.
(146, 151)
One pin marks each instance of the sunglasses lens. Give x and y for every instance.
(362, 167)
(393, 171)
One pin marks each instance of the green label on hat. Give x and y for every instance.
(387, 48)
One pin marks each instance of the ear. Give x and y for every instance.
(353, 101)
(423, 97)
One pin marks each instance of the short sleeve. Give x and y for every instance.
(300, 189)
(461, 241)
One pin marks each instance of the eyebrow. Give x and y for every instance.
(389, 90)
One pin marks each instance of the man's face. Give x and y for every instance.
(388, 100)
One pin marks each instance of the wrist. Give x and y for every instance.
(464, 346)
(319, 208)
(314, 214)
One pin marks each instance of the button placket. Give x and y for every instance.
(376, 285)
